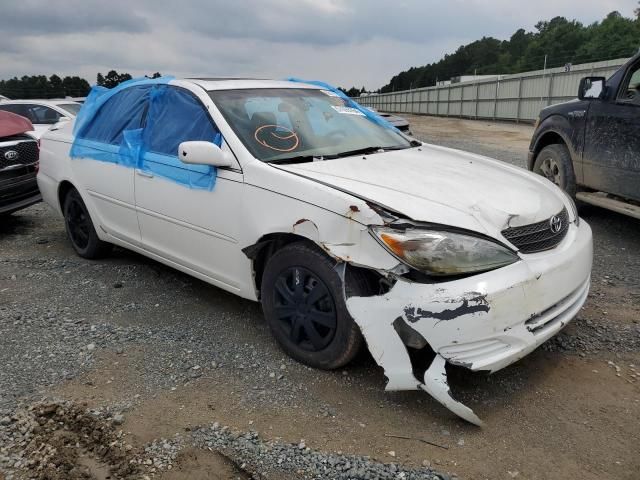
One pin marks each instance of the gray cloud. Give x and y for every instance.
(35, 17)
(356, 42)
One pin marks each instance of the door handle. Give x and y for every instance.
(143, 173)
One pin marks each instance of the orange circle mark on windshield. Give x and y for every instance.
(292, 137)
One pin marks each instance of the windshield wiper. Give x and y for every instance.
(301, 159)
(348, 153)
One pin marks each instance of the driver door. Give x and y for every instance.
(188, 214)
(612, 140)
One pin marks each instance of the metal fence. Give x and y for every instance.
(517, 97)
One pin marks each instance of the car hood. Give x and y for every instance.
(441, 185)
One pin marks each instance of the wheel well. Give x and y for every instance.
(269, 244)
(263, 249)
(549, 138)
(64, 188)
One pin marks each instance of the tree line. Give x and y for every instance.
(41, 86)
(554, 43)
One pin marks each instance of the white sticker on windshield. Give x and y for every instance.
(347, 110)
(330, 93)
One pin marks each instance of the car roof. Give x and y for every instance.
(246, 83)
(41, 102)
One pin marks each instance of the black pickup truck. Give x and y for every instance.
(590, 147)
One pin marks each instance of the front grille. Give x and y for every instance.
(26, 153)
(539, 236)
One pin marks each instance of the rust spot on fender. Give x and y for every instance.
(354, 208)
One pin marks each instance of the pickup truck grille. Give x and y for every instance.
(23, 152)
(539, 236)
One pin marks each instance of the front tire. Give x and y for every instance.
(554, 162)
(304, 304)
(80, 229)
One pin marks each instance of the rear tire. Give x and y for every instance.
(80, 229)
(554, 162)
(304, 305)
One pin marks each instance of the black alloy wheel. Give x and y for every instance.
(78, 222)
(80, 229)
(303, 297)
(305, 308)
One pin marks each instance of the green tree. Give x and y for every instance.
(112, 79)
(558, 41)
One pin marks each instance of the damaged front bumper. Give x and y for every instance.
(482, 322)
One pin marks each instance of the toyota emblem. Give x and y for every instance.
(555, 223)
(11, 155)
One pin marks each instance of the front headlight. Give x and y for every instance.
(443, 253)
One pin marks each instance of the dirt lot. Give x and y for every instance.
(163, 363)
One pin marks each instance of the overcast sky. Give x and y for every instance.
(345, 42)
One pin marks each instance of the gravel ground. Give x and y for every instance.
(128, 340)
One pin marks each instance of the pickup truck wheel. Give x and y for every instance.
(80, 230)
(554, 163)
(304, 305)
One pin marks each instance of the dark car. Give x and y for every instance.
(19, 153)
(400, 123)
(590, 147)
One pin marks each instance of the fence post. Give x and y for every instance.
(413, 101)
(495, 99)
(519, 100)
(477, 99)
(550, 88)
(448, 98)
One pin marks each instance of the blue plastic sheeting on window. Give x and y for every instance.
(108, 126)
(201, 177)
(177, 116)
(98, 96)
(371, 115)
(140, 124)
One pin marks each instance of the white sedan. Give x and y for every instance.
(346, 230)
(43, 114)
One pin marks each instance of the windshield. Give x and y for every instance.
(72, 108)
(283, 124)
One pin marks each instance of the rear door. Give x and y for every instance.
(106, 168)
(188, 214)
(612, 140)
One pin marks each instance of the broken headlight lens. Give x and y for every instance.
(444, 253)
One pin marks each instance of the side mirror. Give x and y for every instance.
(591, 88)
(62, 122)
(203, 153)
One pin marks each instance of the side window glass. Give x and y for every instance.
(124, 111)
(631, 93)
(176, 116)
(44, 115)
(21, 109)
